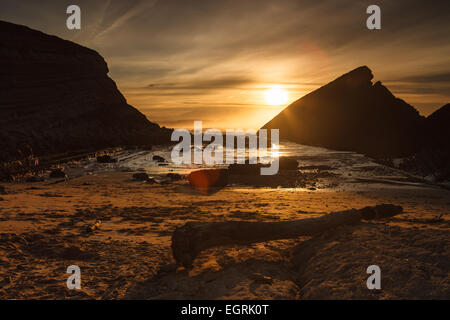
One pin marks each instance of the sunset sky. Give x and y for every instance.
(211, 60)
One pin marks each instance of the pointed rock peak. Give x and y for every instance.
(361, 71)
(357, 77)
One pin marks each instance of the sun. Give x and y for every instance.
(276, 96)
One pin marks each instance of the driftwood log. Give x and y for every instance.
(192, 238)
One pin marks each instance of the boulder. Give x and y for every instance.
(140, 176)
(106, 159)
(245, 169)
(158, 158)
(174, 176)
(57, 173)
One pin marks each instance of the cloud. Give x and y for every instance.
(428, 78)
(210, 84)
(221, 53)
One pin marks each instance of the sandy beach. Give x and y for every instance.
(44, 228)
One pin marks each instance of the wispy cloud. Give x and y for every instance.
(119, 12)
(210, 84)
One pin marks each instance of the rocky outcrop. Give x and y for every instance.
(433, 160)
(56, 97)
(352, 113)
(439, 127)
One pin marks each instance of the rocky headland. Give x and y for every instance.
(57, 98)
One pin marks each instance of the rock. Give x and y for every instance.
(106, 159)
(174, 176)
(351, 113)
(284, 179)
(158, 158)
(208, 179)
(431, 162)
(141, 176)
(57, 97)
(245, 169)
(57, 173)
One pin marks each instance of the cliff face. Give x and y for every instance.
(433, 160)
(439, 127)
(351, 113)
(56, 96)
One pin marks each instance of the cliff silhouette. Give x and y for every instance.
(56, 96)
(352, 113)
(439, 127)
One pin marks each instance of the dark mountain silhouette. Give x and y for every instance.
(351, 113)
(439, 127)
(56, 96)
(433, 159)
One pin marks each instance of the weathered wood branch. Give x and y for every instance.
(192, 238)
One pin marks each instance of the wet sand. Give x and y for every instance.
(43, 230)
